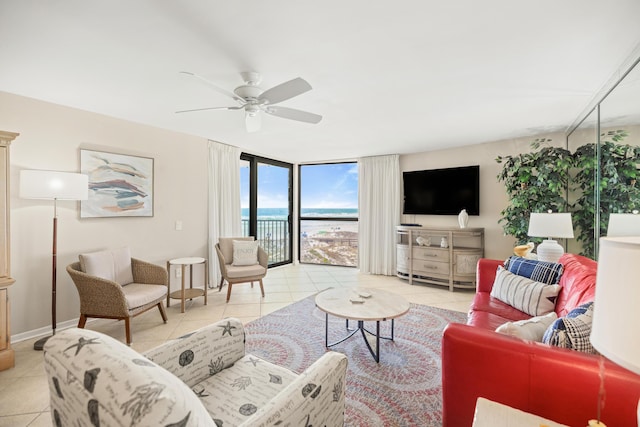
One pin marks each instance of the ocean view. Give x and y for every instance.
(321, 241)
(281, 213)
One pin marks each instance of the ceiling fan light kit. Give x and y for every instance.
(253, 99)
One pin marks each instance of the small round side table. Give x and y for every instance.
(185, 294)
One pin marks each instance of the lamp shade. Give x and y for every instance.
(616, 322)
(557, 225)
(623, 225)
(50, 185)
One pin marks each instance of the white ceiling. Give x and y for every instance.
(388, 77)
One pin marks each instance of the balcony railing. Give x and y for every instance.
(273, 237)
(324, 242)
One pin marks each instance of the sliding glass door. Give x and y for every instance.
(266, 199)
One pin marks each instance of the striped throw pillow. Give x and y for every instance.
(540, 271)
(529, 296)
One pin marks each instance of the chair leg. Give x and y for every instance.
(82, 321)
(221, 283)
(229, 291)
(261, 288)
(162, 312)
(127, 329)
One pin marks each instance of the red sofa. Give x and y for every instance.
(555, 383)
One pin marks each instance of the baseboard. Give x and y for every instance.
(42, 332)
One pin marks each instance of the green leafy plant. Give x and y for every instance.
(619, 191)
(535, 182)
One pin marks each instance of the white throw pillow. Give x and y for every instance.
(530, 329)
(245, 252)
(531, 297)
(112, 265)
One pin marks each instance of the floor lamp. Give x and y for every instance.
(53, 185)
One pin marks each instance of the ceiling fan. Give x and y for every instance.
(254, 100)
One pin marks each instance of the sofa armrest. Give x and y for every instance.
(202, 353)
(558, 384)
(315, 398)
(486, 273)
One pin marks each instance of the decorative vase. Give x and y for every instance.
(463, 218)
(444, 243)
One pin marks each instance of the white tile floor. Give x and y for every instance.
(24, 393)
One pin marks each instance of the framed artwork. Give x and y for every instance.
(119, 185)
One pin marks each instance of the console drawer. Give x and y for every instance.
(427, 268)
(431, 254)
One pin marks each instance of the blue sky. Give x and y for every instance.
(323, 186)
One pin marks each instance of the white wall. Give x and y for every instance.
(50, 138)
(493, 197)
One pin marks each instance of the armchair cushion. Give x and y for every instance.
(245, 253)
(114, 265)
(140, 294)
(238, 272)
(248, 386)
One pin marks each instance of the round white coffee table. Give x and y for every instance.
(362, 305)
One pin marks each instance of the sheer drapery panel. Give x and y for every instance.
(379, 207)
(225, 217)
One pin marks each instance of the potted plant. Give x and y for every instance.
(535, 182)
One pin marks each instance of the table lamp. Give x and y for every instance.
(615, 325)
(53, 185)
(624, 224)
(550, 225)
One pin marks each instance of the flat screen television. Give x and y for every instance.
(442, 191)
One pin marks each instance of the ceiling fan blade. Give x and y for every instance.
(215, 87)
(210, 108)
(253, 121)
(285, 91)
(293, 114)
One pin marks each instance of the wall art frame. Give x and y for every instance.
(120, 185)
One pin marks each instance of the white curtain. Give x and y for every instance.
(379, 213)
(225, 216)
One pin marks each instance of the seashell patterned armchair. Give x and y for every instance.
(204, 378)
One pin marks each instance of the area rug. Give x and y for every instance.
(404, 389)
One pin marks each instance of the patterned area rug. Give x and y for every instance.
(404, 389)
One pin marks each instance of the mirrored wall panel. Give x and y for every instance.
(606, 147)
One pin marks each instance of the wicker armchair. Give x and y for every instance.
(239, 274)
(104, 298)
